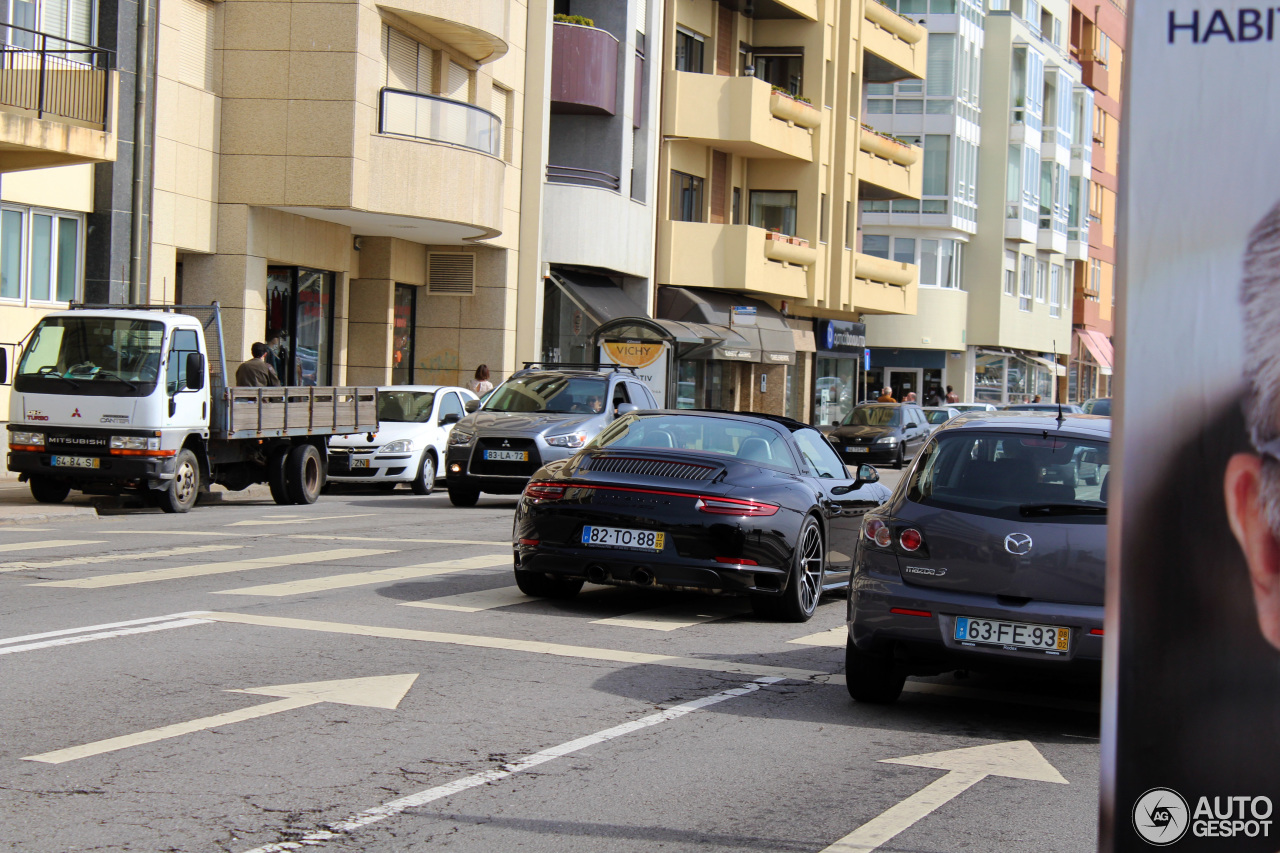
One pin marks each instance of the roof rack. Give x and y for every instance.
(575, 365)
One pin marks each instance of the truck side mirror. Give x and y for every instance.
(195, 371)
(4, 366)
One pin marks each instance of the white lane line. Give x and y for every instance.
(474, 602)
(202, 569)
(191, 533)
(116, 558)
(103, 635)
(49, 543)
(107, 626)
(662, 619)
(499, 541)
(351, 579)
(834, 638)
(258, 522)
(439, 792)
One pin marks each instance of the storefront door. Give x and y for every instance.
(300, 311)
(904, 380)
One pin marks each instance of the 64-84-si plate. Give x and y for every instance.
(620, 537)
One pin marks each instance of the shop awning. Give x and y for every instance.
(1099, 346)
(770, 340)
(597, 296)
(1051, 366)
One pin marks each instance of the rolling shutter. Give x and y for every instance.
(451, 273)
(401, 53)
(195, 66)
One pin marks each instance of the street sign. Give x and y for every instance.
(968, 766)
(379, 692)
(744, 315)
(866, 359)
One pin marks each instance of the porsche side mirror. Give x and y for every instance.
(866, 474)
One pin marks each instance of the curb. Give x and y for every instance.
(44, 518)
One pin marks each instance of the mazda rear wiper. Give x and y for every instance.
(1061, 509)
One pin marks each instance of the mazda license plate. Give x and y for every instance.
(507, 455)
(75, 462)
(620, 537)
(1012, 634)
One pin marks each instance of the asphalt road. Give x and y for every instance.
(619, 721)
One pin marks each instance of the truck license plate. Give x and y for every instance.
(507, 455)
(75, 462)
(618, 537)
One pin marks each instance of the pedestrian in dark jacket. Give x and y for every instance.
(256, 371)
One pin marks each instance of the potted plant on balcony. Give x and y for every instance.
(775, 234)
(573, 19)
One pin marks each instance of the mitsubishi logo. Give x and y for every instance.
(1017, 544)
(76, 413)
(506, 443)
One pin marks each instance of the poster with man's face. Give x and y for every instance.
(1191, 721)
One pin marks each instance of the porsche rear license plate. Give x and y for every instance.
(75, 462)
(359, 463)
(619, 537)
(507, 455)
(1012, 634)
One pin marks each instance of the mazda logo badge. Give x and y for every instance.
(1017, 544)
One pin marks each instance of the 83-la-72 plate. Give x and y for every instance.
(620, 537)
(993, 632)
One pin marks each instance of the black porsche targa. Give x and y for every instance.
(712, 502)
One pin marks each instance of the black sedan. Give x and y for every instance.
(881, 433)
(739, 504)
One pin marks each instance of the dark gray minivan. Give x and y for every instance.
(990, 554)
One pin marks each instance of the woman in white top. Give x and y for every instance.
(480, 384)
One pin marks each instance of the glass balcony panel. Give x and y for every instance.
(440, 120)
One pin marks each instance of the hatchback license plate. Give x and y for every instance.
(1018, 634)
(75, 462)
(507, 455)
(619, 537)
(856, 449)
(359, 463)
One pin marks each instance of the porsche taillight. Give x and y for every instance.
(733, 506)
(544, 491)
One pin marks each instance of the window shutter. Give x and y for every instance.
(53, 18)
(501, 106)
(195, 67)
(426, 70)
(451, 273)
(402, 61)
(941, 68)
(80, 21)
(642, 15)
(458, 86)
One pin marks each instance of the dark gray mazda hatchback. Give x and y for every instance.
(990, 554)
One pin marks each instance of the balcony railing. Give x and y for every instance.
(440, 120)
(582, 177)
(55, 77)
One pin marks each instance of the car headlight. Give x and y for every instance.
(458, 437)
(890, 440)
(135, 442)
(569, 439)
(27, 439)
(404, 445)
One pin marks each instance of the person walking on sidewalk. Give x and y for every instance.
(480, 384)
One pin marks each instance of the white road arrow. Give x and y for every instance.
(379, 692)
(968, 766)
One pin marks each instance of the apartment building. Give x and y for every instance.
(64, 109)
(761, 163)
(998, 329)
(1097, 42)
(597, 132)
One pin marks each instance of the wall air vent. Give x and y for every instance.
(451, 273)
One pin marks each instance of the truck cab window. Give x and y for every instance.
(184, 342)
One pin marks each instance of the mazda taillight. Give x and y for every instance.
(877, 531)
(910, 539)
(732, 506)
(544, 491)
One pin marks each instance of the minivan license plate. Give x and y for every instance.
(1018, 634)
(618, 537)
(507, 455)
(75, 462)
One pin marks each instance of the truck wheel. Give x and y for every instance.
(184, 488)
(48, 491)
(304, 474)
(462, 496)
(426, 479)
(275, 476)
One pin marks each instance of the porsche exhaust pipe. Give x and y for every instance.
(642, 576)
(595, 574)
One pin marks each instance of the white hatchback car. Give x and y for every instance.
(414, 422)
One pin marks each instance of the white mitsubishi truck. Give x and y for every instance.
(116, 399)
